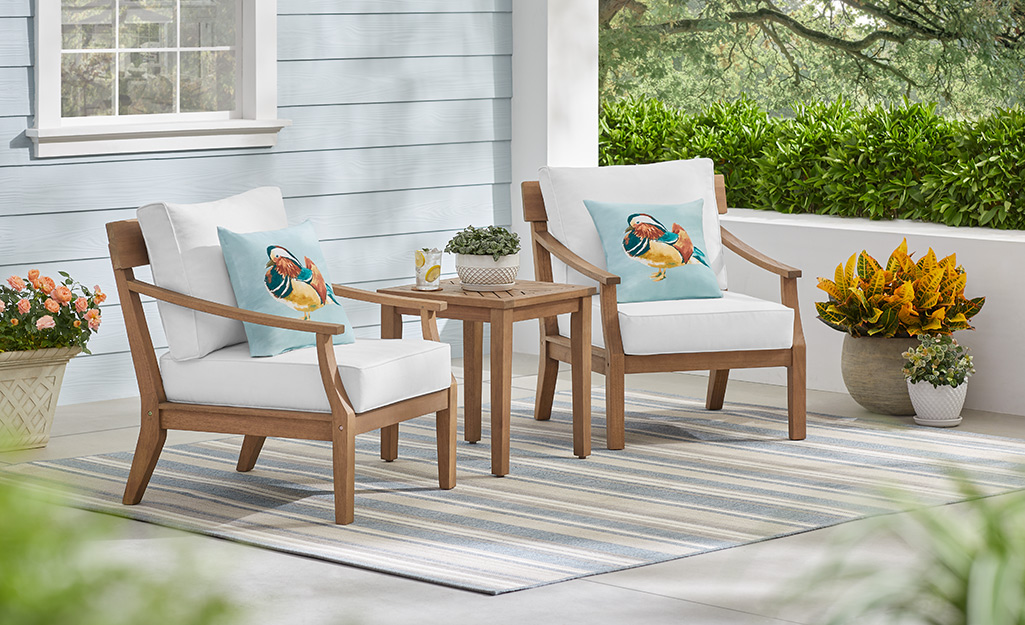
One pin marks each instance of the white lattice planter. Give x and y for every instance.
(938, 406)
(484, 273)
(30, 382)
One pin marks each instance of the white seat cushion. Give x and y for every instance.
(185, 256)
(375, 373)
(673, 182)
(733, 322)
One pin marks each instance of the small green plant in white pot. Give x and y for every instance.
(937, 372)
(487, 259)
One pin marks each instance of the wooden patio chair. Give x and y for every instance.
(620, 345)
(370, 373)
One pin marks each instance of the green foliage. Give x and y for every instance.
(37, 313)
(493, 241)
(883, 162)
(51, 573)
(938, 360)
(966, 567)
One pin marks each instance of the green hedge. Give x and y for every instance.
(898, 162)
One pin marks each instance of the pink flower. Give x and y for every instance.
(94, 324)
(99, 296)
(24, 306)
(47, 285)
(16, 283)
(33, 277)
(45, 323)
(81, 304)
(51, 305)
(93, 313)
(2, 306)
(62, 294)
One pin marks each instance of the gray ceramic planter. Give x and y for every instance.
(871, 369)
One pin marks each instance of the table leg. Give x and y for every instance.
(501, 389)
(580, 360)
(473, 346)
(391, 328)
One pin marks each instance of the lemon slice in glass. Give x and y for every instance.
(420, 259)
(433, 273)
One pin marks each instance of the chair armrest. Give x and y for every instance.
(752, 255)
(398, 301)
(232, 312)
(563, 253)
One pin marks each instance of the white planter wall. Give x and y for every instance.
(816, 244)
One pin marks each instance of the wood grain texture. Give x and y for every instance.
(382, 35)
(14, 42)
(387, 6)
(95, 186)
(394, 80)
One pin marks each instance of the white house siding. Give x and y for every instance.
(400, 136)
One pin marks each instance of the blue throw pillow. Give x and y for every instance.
(657, 249)
(281, 272)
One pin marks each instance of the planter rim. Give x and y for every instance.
(49, 354)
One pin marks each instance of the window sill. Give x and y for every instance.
(166, 137)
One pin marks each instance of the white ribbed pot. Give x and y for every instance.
(484, 273)
(938, 406)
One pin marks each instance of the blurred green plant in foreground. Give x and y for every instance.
(54, 571)
(967, 567)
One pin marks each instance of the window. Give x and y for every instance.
(119, 76)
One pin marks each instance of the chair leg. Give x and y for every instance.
(446, 434)
(717, 379)
(147, 452)
(251, 446)
(797, 395)
(547, 375)
(390, 442)
(343, 457)
(615, 404)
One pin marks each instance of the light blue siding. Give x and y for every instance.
(400, 136)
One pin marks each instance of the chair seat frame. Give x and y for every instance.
(340, 425)
(612, 362)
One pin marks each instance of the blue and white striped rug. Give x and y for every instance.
(688, 482)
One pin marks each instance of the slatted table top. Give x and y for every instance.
(523, 293)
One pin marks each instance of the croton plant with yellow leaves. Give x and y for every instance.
(903, 299)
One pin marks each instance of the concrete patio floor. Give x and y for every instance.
(742, 585)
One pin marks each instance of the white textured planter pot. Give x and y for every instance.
(484, 273)
(938, 406)
(30, 382)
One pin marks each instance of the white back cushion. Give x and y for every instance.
(565, 188)
(185, 256)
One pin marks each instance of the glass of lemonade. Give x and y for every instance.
(428, 269)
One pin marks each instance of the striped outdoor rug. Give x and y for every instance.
(688, 482)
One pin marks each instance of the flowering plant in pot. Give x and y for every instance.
(487, 259)
(43, 324)
(882, 308)
(937, 373)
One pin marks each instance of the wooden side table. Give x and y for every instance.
(527, 300)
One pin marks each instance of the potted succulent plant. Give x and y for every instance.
(487, 258)
(43, 324)
(882, 310)
(937, 373)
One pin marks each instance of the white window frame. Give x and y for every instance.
(257, 127)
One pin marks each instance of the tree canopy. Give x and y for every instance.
(966, 55)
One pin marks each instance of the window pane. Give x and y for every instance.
(207, 23)
(147, 83)
(208, 81)
(148, 24)
(87, 84)
(87, 24)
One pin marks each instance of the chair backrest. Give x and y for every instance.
(185, 256)
(564, 189)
